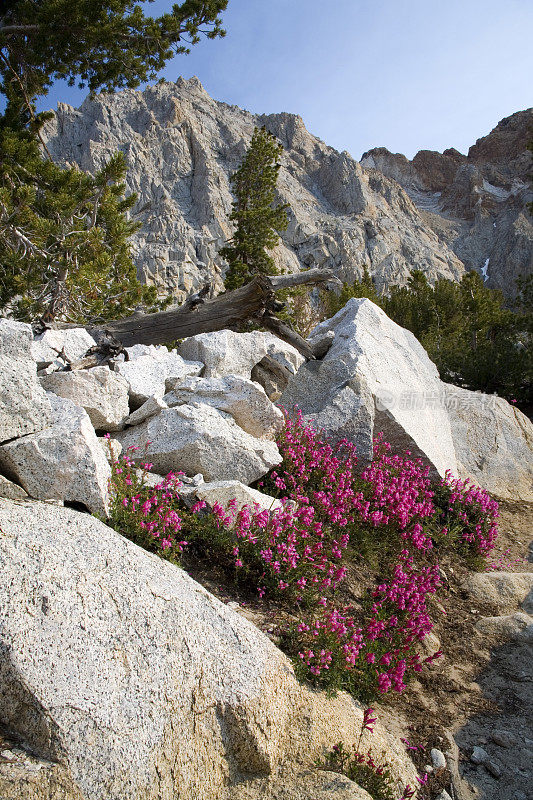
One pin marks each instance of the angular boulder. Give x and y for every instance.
(198, 438)
(102, 393)
(243, 399)
(503, 592)
(150, 368)
(61, 347)
(493, 441)
(228, 353)
(138, 684)
(236, 493)
(334, 401)
(11, 490)
(24, 407)
(63, 462)
(388, 363)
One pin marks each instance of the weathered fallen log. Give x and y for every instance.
(252, 302)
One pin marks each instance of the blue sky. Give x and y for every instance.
(403, 74)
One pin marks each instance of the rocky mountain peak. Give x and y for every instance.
(476, 204)
(182, 147)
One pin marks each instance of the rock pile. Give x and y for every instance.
(203, 410)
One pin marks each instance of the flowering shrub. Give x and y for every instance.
(467, 517)
(293, 553)
(148, 515)
(376, 655)
(330, 515)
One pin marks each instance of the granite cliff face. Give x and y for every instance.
(476, 204)
(182, 146)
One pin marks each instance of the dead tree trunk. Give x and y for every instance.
(253, 302)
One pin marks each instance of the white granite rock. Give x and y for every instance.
(502, 591)
(148, 409)
(493, 441)
(134, 680)
(223, 492)
(243, 399)
(394, 367)
(198, 438)
(334, 400)
(149, 369)
(63, 462)
(102, 393)
(11, 490)
(228, 353)
(24, 407)
(73, 343)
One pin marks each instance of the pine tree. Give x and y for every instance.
(101, 43)
(64, 234)
(64, 237)
(257, 219)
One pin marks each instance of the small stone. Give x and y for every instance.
(479, 756)
(443, 796)
(437, 758)
(494, 769)
(8, 755)
(428, 768)
(504, 738)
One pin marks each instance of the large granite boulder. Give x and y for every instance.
(24, 407)
(376, 377)
(335, 401)
(493, 442)
(149, 368)
(102, 393)
(243, 399)
(228, 353)
(132, 682)
(196, 438)
(62, 462)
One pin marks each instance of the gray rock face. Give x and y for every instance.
(102, 393)
(24, 407)
(63, 462)
(198, 438)
(138, 683)
(150, 368)
(372, 357)
(502, 591)
(333, 399)
(11, 490)
(182, 146)
(476, 204)
(244, 400)
(229, 353)
(493, 441)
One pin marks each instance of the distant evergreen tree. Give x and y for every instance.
(258, 220)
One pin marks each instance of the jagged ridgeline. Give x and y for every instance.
(182, 147)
